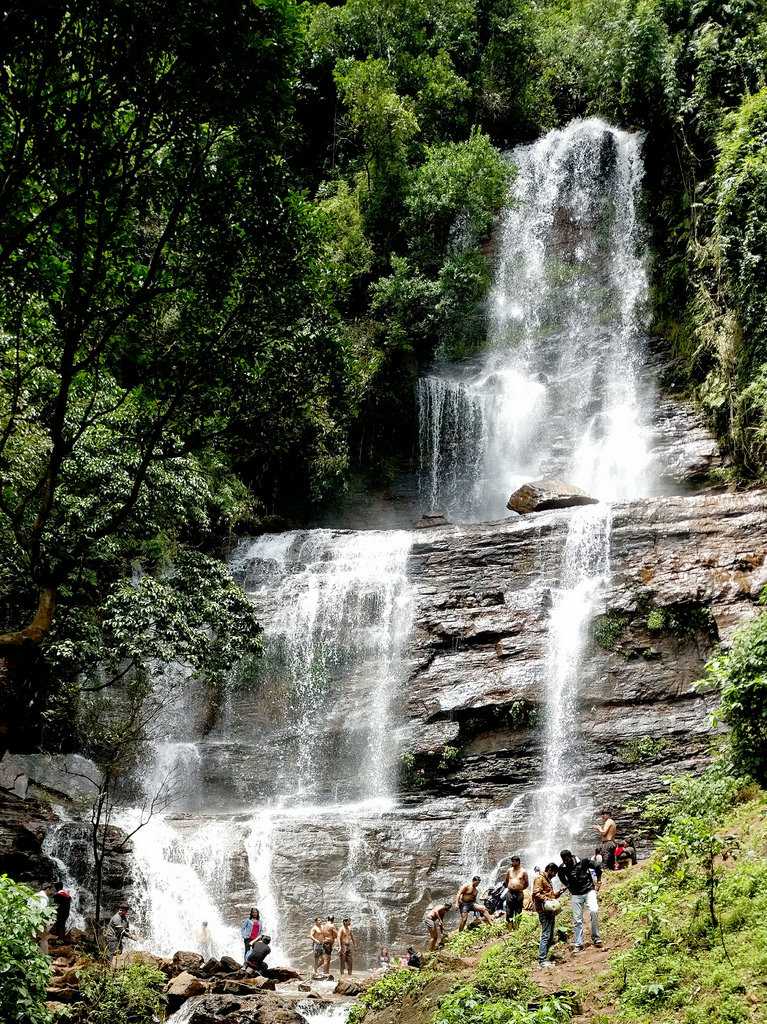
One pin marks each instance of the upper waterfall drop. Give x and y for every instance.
(560, 390)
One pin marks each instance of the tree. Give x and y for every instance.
(24, 969)
(151, 293)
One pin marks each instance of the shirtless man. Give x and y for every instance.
(607, 831)
(516, 881)
(316, 936)
(329, 936)
(466, 903)
(346, 945)
(434, 920)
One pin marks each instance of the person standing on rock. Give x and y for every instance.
(316, 936)
(346, 946)
(515, 883)
(204, 941)
(545, 903)
(257, 954)
(117, 929)
(466, 903)
(62, 900)
(607, 831)
(329, 936)
(434, 920)
(251, 928)
(576, 875)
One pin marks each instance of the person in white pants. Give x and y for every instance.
(581, 877)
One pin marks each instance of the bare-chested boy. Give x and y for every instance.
(316, 936)
(329, 936)
(516, 881)
(466, 903)
(346, 945)
(607, 831)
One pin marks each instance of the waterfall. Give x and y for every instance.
(560, 390)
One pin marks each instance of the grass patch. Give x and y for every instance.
(391, 988)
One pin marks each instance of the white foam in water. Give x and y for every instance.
(561, 390)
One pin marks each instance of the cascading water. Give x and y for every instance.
(560, 390)
(336, 609)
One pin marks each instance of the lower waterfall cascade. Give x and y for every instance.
(292, 802)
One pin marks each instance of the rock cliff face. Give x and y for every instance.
(685, 571)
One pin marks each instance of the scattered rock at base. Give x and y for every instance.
(138, 956)
(183, 987)
(540, 495)
(281, 974)
(210, 967)
(243, 986)
(186, 961)
(304, 988)
(348, 987)
(263, 1008)
(230, 964)
(429, 519)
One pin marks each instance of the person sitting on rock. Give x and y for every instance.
(117, 929)
(625, 853)
(257, 954)
(413, 958)
(466, 903)
(434, 920)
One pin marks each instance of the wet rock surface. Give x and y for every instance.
(542, 495)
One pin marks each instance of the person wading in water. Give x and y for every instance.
(516, 881)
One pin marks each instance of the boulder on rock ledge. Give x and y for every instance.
(540, 495)
(183, 987)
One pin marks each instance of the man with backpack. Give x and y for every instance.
(576, 875)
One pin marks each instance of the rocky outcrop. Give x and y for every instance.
(23, 825)
(264, 1008)
(543, 495)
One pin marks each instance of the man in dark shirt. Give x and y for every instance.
(257, 954)
(581, 877)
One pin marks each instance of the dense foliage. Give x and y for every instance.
(740, 675)
(24, 969)
(232, 235)
(121, 995)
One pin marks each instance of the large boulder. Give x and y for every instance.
(186, 961)
(281, 974)
(348, 987)
(183, 987)
(228, 963)
(263, 1008)
(540, 495)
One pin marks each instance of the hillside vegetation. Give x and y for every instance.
(684, 936)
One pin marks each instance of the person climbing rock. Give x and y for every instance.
(251, 928)
(576, 875)
(515, 882)
(257, 954)
(62, 901)
(434, 920)
(316, 937)
(329, 936)
(545, 903)
(346, 945)
(607, 831)
(466, 903)
(117, 929)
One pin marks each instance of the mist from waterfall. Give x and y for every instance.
(560, 389)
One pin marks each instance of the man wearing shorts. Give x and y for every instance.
(329, 936)
(346, 945)
(316, 936)
(434, 920)
(466, 903)
(516, 881)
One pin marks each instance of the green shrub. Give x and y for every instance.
(656, 620)
(501, 972)
(473, 938)
(391, 988)
(467, 1005)
(124, 995)
(741, 677)
(643, 748)
(607, 630)
(24, 970)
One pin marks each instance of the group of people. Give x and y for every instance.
(580, 877)
(58, 895)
